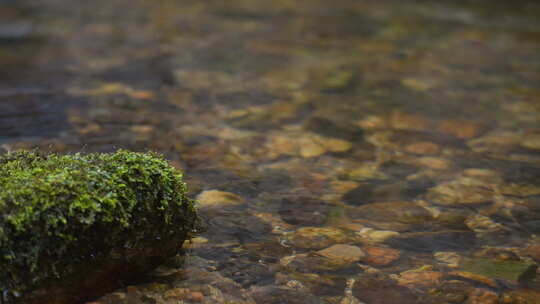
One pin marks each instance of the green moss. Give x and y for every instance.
(59, 211)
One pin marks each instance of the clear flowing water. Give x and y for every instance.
(341, 152)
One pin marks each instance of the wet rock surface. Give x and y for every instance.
(310, 132)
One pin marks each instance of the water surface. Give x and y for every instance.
(342, 152)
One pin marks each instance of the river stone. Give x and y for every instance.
(458, 193)
(380, 256)
(316, 237)
(215, 198)
(514, 271)
(75, 226)
(380, 289)
(434, 241)
(305, 211)
(398, 214)
(343, 252)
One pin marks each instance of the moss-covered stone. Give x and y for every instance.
(74, 226)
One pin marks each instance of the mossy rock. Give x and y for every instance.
(75, 226)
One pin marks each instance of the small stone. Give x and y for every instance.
(381, 256)
(450, 258)
(423, 148)
(474, 277)
(533, 251)
(459, 193)
(434, 241)
(401, 212)
(418, 84)
(281, 145)
(377, 236)
(403, 121)
(521, 190)
(338, 81)
(213, 198)
(347, 253)
(460, 128)
(531, 141)
(335, 145)
(310, 148)
(372, 122)
(521, 296)
(380, 289)
(343, 186)
(142, 129)
(420, 279)
(482, 224)
(90, 129)
(176, 294)
(495, 141)
(513, 271)
(316, 237)
(196, 296)
(433, 162)
(366, 171)
(482, 296)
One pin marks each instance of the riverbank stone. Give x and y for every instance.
(73, 227)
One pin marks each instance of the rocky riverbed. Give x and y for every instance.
(348, 152)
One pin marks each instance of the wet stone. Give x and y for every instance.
(380, 256)
(420, 279)
(453, 291)
(376, 236)
(449, 258)
(316, 238)
(305, 211)
(405, 121)
(278, 295)
(370, 192)
(522, 296)
(427, 148)
(410, 214)
(460, 128)
(339, 81)
(483, 296)
(215, 198)
(520, 189)
(458, 193)
(527, 214)
(346, 253)
(329, 128)
(473, 278)
(531, 142)
(379, 289)
(315, 263)
(434, 241)
(513, 271)
(533, 251)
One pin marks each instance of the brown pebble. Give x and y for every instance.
(380, 256)
(346, 253)
(533, 251)
(404, 121)
(423, 148)
(176, 294)
(460, 128)
(196, 296)
(415, 279)
(482, 296)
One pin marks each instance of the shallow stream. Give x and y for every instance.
(345, 151)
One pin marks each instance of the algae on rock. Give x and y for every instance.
(73, 226)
